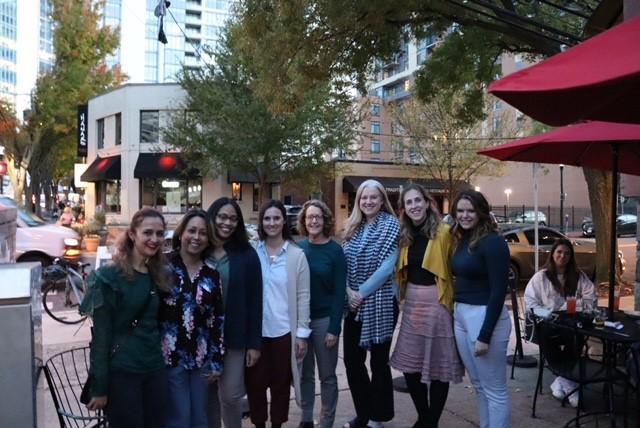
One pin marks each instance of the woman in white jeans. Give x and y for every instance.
(480, 263)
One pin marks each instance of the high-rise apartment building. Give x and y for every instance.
(26, 41)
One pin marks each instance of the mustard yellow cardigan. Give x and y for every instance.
(436, 261)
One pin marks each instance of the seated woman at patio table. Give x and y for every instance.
(549, 288)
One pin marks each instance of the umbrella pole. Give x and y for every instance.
(613, 256)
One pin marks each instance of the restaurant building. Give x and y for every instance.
(130, 167)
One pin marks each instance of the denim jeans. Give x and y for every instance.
(327, 359)
(188, 391)
(488, 373)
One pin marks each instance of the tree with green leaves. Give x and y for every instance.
(228, 128)
(47, 147)
(297, 44)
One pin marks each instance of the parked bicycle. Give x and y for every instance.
(69, 278)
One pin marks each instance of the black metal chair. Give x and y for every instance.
(564, 353)
(66, 373)
(521, 322)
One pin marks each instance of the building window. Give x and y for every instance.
(375, 127)
(108, 195)
(100, 131)
(398, 151)
(149, 126)
(171, 195)
(375, 146)
(375, 109)
(118, 129)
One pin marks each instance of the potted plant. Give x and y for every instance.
(91, 235)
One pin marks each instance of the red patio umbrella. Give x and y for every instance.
(598, 79)
(599, 145)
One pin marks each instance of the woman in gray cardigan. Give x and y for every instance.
(285, 319)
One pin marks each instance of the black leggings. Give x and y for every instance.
(137, 400)
(428, 400)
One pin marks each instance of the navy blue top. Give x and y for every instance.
(243, 302)
(482, 276)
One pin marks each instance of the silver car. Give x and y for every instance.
(522, 250)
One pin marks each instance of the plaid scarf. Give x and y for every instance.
(369, 246)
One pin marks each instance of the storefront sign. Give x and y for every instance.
(83, 118)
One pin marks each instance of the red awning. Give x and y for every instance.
(587, 144)
(598, 79)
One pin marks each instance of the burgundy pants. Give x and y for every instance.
(273, 370)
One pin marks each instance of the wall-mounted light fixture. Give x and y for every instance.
(236, 190)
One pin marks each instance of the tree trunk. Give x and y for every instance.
(599, 185)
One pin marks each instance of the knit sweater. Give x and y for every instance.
(328, 280)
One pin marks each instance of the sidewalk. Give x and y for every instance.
(460, 410)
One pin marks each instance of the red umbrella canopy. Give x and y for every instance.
(587, 144)
(598, 79)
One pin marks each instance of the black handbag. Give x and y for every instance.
(85, 394)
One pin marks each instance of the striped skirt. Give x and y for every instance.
(426, 342)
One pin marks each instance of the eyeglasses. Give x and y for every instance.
(312, 217)
(224, 217)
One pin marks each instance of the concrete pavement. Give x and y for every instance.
(460, 410)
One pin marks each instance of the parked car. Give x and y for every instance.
(292, 217)
(37, 240)
(626, 224)
(522, 250)
(529, 217)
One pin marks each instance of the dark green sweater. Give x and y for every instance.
(114, 302)
(328, 269)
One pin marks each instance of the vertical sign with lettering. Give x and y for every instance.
(83, 119)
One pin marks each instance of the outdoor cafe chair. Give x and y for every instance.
(581, 369)
(66, 373)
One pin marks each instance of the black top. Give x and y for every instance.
(243, 303)
(415, 273)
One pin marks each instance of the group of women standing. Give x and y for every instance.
(219, 317)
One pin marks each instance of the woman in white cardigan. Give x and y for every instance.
(285, 318)
(549, 288)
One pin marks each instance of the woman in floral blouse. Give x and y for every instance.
(191, 323)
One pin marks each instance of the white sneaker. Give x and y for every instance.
(556, 389)
(573, 399)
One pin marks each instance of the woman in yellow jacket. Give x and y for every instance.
(426, 350)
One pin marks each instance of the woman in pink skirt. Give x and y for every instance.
(426, 350)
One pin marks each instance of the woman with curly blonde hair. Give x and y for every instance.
(425, 351)
(127, 368)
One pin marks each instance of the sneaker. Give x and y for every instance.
(556, 389)
(574, 399)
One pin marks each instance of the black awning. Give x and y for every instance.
(163, 165)
(350, 183)
(103, 169)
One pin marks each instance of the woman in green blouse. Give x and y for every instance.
(127, 368)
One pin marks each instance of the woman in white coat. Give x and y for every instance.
(285, 318)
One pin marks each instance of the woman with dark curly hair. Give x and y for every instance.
(191, 318)
(239, 267)
(480, 264)
(328, 270)
(127, 370)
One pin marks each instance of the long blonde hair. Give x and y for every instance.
(123, 257)
(355, 219)
(432, 219)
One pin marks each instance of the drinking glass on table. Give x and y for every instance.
(571, 305)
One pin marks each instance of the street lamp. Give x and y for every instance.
(508, 193)
(562, 198)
